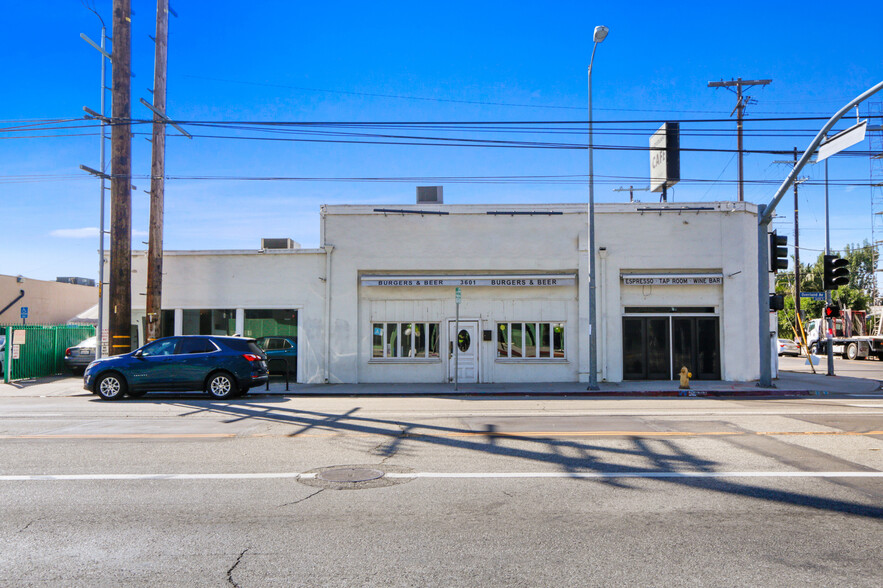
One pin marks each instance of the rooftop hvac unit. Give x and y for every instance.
(429, 194)
(279, 244)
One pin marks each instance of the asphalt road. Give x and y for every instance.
(859, 368)
(179, 490)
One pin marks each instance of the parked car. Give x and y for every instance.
(221, 366)
(788, 347)
(79, 356)
(280, 347)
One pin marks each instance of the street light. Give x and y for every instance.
(600, 35)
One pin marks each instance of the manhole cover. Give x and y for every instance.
(350, 475)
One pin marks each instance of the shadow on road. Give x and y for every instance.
(660, 455)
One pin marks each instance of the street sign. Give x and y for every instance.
(813, 295)
(842, 140)
(24, 312)
(457, 295)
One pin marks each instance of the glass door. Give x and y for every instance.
(645, 348)
(696, 346)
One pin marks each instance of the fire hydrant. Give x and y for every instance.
(685, 378)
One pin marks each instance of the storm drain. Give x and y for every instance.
(350, 475)
(355, 477)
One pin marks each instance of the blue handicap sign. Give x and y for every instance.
(24, 312)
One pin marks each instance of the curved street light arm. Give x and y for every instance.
(780, 193)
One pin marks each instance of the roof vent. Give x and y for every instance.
(430, 194)
(279, 244)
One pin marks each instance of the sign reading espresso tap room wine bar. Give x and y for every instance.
(518, 281)
(672, 280)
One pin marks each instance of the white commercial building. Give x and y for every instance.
(377, 302)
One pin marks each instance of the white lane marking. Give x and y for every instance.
(459, 475)
(39, 477)
(15, 415)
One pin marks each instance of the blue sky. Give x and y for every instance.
(408, 62)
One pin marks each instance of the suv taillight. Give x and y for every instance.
(251, 357)
(67, 352)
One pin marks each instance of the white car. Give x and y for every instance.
(788, 347)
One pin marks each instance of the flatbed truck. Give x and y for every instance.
(851, 335)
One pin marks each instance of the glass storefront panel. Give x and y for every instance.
(530, 339)
(502, 340)
(558, 340)
(545, 339)
(209, 321)
(407, 331)
(434, 342)
(377, 341)
(516, 340)
(266, 322)
(419, 340)
(392, 340)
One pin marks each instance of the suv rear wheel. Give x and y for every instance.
(221, 385)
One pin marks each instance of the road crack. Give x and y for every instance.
(23, 529)
(233, 567)
(298, 501)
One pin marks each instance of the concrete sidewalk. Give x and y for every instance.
(787, 384)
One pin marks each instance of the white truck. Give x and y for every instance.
(851, 337)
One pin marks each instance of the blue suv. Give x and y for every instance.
(221, 366)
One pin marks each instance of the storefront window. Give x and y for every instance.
(405, 340)
(267, 322)
(558, 340)
(377, 341)
(419, 340)
(545, 341)
(208, 321)
(530, 340)
(392, 340)
(516, 342)
(433, 341)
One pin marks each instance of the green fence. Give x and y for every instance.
(33, 351)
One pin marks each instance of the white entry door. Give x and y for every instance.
(463, 351)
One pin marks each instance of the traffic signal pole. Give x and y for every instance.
(765, 216)
(829, 322)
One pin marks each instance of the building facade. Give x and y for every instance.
(378, 301)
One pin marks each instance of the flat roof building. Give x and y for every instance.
(377, 302)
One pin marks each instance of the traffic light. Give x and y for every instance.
(778, 252)
(832, 311)
(835, 272)
(777, 302)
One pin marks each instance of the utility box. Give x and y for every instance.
(433, 194)
(279, 244)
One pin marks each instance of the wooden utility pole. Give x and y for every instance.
(157, 176)
(741, 103)
(120, 286)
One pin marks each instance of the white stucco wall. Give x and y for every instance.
(245, 280)
(682, 238)
(721, 240)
